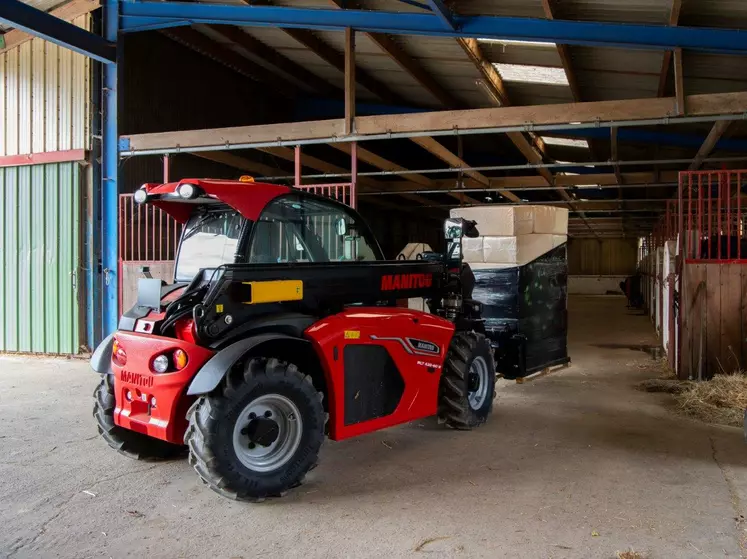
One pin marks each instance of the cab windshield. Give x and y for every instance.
(211, 239)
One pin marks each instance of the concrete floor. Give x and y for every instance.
(577, 464)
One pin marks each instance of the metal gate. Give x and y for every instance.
(40, 210)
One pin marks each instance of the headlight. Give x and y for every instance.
(140, 196)
(161, 364)
(187, 191)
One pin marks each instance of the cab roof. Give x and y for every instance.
(247, 198)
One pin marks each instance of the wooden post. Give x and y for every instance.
(349, 80)
(166, 166)
(297, 166)
(679, 83)
(354, 174)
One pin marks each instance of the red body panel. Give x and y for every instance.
(166, 420)
(389, 327)
(247, 198)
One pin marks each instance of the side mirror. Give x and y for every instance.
(469, 229)
(341, 227)
(456, 228)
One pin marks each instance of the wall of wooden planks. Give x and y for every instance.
(606, 257)
(714, 311)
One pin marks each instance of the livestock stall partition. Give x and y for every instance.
(713, 280)
(695, 275)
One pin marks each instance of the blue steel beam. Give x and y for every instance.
(109, 182)
(141, 16)
(41, 24)
(440, 9)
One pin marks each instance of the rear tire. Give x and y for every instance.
(467, 382)
(129, 443)
(258, 433)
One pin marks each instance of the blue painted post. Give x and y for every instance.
(109, 172)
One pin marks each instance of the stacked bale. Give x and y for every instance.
(521, 278)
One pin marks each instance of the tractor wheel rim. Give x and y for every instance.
(267, 433)
(480, 377)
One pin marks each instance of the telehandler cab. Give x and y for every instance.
(280, 328)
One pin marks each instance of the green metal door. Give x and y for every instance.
(39, 258)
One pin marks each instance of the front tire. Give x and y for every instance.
(467, 382)
(259, 433)
(129, 443)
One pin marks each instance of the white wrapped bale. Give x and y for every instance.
(472, 250)
(499, 221)
(518, 250)
(549, 219)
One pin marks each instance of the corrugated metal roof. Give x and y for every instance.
(630, 11)
(714, 13)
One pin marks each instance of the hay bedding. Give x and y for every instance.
(721, 400)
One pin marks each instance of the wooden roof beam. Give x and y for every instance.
(493, 81)
(405, 61)
(465, 120)
(386, 165)
(674, 19)
(710, 143)
(565, 56)
(364, 183)
(337, 60)
(437, 149)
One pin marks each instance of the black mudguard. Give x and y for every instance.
(102, 357)
(212, 373)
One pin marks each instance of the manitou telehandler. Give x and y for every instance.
(281, 327)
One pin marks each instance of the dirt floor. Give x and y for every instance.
(576, 464)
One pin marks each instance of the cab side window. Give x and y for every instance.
(298, 229)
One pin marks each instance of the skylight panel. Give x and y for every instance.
(567, 142)
(518, 43)
(531, 74)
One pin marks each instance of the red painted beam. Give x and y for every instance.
(44, 157)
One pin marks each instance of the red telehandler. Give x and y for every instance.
(280, 328)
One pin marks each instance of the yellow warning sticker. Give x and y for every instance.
(352, 334)
(218, 308)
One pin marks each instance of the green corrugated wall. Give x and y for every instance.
(40, 214)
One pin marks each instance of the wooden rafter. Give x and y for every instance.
(437, 149)
(674, 19)
(405, 61)
(493, 80)
(350, 71)
(565, 56)
(312, 162)
(710, 143)
(386, 165)
(337, 60)
(430, 122)
(68, 12)
(535, 181)
(679, 82)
